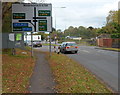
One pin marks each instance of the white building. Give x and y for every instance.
(74, 38)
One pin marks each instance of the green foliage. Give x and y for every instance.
(58, 34)
(81, 31)
(112, 27)
(115, 35)
(119, 16)
(112, 17)
(7, 17)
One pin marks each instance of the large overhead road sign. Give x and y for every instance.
(32, 17)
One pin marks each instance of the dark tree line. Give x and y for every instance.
(81, 31)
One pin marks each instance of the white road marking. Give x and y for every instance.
(100, 51)
(85, 51)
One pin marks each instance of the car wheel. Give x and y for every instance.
(61, 51)
(76, 51)
(64, 51)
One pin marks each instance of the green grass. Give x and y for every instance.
(17, 70)
(72, 77)
(28, 48)
(47, 44)
(115, 49)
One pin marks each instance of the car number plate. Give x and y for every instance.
(72, 46)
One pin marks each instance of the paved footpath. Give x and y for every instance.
(42, 79)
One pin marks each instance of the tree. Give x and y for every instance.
(6, 16)
(119, 16)
(112, 17)
(112, 27)
(90, 28)
(81, 31)
(58, 33)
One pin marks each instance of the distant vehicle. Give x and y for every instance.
(68, 47)
(28, 42)
(37, 44)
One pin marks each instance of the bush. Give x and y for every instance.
(115, 35)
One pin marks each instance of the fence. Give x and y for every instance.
(108, 42)
(10, 40)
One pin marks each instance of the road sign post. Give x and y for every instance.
(50, 44)
(32, 18)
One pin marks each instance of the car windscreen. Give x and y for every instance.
(71, 44)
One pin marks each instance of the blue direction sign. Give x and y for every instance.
(27, 29)
(20, 24)
(21, 27)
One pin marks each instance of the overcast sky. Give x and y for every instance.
(81, 12)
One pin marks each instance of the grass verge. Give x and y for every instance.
(16, 71)
(72, 77)
(114, 49)
(47, 44)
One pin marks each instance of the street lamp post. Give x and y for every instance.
(56, 21)
(55, 15)
(56, 24)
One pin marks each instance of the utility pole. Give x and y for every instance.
(50, 44)
(56, 24)
(34, 31)
(31, 44)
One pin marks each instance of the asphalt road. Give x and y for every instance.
(102, 63)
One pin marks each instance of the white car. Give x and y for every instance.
(68, 47)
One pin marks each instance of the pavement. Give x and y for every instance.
(42, 80)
